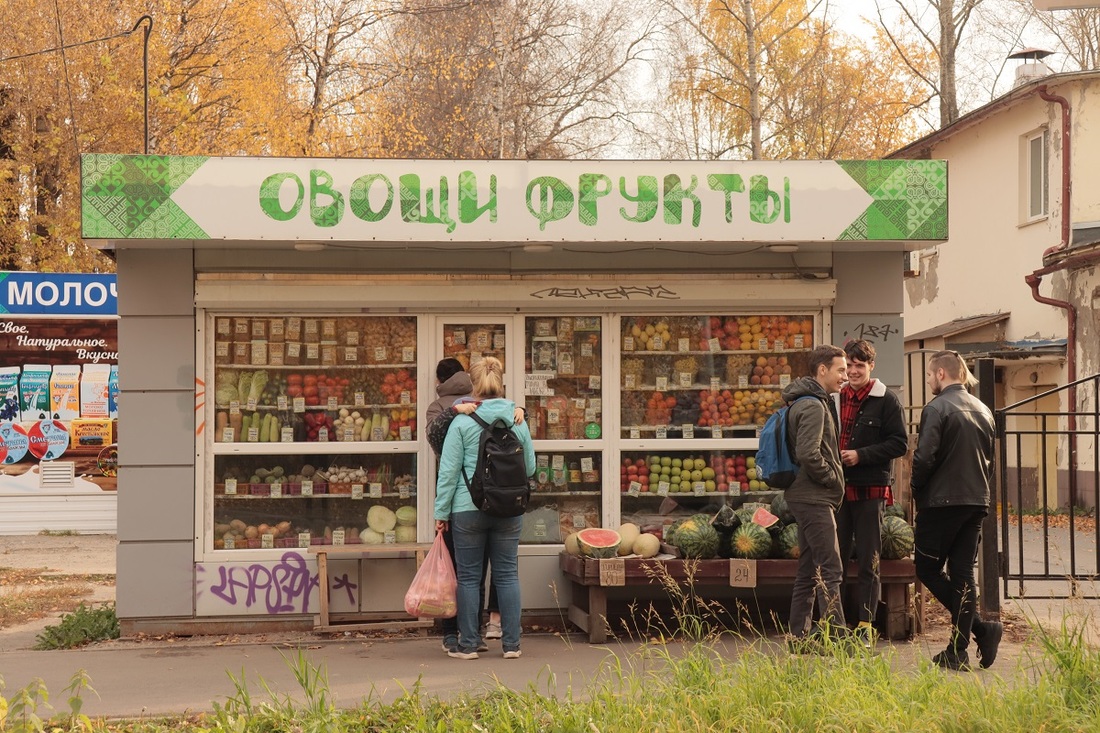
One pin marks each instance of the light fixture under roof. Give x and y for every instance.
(309, 246)
(538, 247)
(783, 249)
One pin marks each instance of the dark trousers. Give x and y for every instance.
(859, 524)
(948, 537)
(450, 625)
(819, 568)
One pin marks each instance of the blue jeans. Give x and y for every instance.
(474, 532)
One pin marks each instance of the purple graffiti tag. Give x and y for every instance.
(620, 292)
(344, 582)
(282, 585)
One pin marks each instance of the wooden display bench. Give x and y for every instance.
(590, 579)
(360, 622)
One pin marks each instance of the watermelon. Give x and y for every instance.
(764, 518)
(751, 541)
(787, 543)
(629, 533)
(598, 543)
(697, 539)
(895, 510)
(670, 531)
(744, 515)
(781, 510)
(897, 538)
(647, 545)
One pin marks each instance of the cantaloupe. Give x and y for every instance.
(629, 533)
(571, 545)
(647, 545)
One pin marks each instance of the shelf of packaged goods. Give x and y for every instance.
(721, 352)
(324, 408)
(703, 432)
(746, 496)
(285, 495)
(552, 377)
(316, 367)
(536, 493)
(333, 446)
(700, 387)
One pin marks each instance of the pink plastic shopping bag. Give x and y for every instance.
(432, 593)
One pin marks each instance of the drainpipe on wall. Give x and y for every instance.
(1067, 181)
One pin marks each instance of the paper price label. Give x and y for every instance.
(276, 491)
(714, 344)
(235, 408)
(657, 343)
(780, 345)
(230, 543)
(332, 403)
(635, 434)
(716, 431)
(699, 488)
(586, 349)
(230, 486)
(553, 417)
(558, 461)
(313, 352)
(338, 537)
(662, 488)
(281, 402)
(286, 435)
(375, 490)
(662, 384)
(742, 382)
(634, 489)
(253, 435)
(735, 489)
(459, 336)
(389, 538)
(267, 541)
(689, 431)
(353, 338)
(762, 344)
(586, 464)
(360, 399)
(594, 382)
(408, 354)
(307, 487)
(403, 491)
(303, 539)
(357, 491)
(250, 405)
(662, 432)
(742, 573)
(799, 341)
(405, 432)
(498, 341)
(347, 434)
(685, 379)
(380, 353)
(228, 435)
(784, 380)
(715, 384)
(351, 354)
(293, 350)
(299, 404)
(376, 434)
(628, 343)
(406, 397)
(630, 381)
(683, 345)
(578, 521)
(612, 571)
(322, 435)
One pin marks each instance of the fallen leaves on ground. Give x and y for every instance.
(1057, 520)
(27, 594)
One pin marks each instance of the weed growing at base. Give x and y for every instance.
(83, 626)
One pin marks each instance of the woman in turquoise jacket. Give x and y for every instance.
(473, 529)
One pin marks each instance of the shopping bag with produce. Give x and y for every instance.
(432, 593)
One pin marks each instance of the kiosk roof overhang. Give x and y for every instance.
(167, 202)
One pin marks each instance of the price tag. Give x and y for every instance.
(459, 336)
(683, 345)
(762, 344)
(357, 491)
(735, 489)
(332, 403)
(784, 380)
(406, 397)
(662, 488)
(380, 353)
(235, 407)
(347, 434)
(303, 539)
(716, 431)
(351, 354)
(313, 352)
(322, 435)
(685, 379)
(250, 405)
(662, 432)
(714, 344)
(360, 399)
(230, 543)
(699, 488)
(594, 381)
(405, 432)
(408, 353)
(267, 541)
(586, 349)
(338, 537)
(612, 571)
(780, 345)
(635, 434)
(299, 404)
(228, 435)
(630, 381)
(657, 343)
(553, 416)
(230, 486)
(293, 350)
(715, 384)
(286, 434)
(558, 461)
(389, 538)
(375, 490)
(689, 431)
(498, 341)
(628, 343)
(586, 464)
(353, 338)
(742, 573)
(253, 435)
(578, 521)
(221, 349)
(482, 340)
(742, 382)
(403, 491)
(634, 489)
(276, 491)
(799, 341)
(662, 384)
(281, 402)
(307, 487)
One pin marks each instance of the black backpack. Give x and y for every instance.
(499, 486)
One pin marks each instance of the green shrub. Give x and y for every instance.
(83, 626)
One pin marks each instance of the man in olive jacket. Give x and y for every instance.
(816, 493)
(952, 473)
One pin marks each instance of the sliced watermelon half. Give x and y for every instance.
(599, 543)
(764, 518)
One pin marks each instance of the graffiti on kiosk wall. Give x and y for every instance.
(285, 586)
(621, 292)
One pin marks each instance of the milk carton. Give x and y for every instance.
(94, 390)
(34, 391)
(112, 392)
(65, 392)
(9, 394)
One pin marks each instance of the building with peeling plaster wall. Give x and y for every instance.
(1018, 279)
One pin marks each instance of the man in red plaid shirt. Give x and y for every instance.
(872, 435)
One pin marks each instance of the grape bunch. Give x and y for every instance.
(9, 408)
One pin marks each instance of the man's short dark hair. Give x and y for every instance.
(447, 368)
(824, 354)
(860, 350)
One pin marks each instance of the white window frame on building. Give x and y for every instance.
(1035, 186)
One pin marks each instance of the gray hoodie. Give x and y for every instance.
(459, 385)
(812, 427)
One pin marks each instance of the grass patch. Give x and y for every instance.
(27, 594)
(83, 626)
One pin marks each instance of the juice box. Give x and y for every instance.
(94, 391)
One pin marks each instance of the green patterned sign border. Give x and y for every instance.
(910, 199)
(129, 197)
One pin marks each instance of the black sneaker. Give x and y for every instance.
(808, 644)
(989, 642)
(951, 659)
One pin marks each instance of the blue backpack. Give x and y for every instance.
(775, 463)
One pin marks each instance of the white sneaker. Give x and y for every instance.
(492, 630)
(514, 654)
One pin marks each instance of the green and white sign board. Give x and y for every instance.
(154, 197)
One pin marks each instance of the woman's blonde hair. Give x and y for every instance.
(488, 378)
